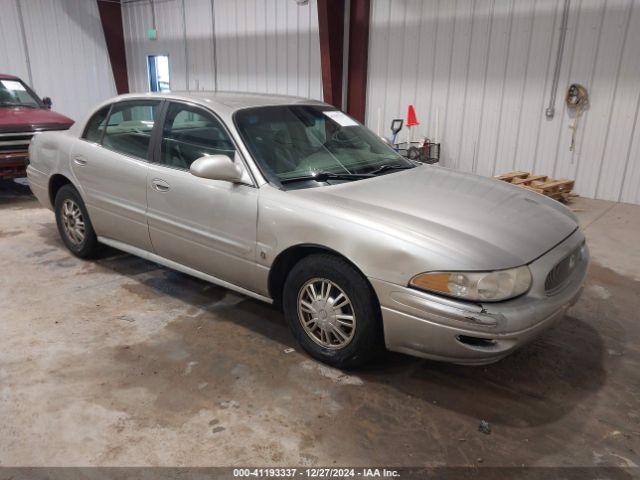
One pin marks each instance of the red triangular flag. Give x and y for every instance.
(412, 120)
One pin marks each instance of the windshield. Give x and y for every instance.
(292, 142)
(14, 93)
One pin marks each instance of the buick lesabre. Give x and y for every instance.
(293, 202)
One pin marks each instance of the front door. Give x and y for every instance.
(112, 165)
(208, 225)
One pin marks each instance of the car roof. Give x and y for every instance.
(228, 102)
(6, 76)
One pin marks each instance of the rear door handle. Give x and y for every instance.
(160, 185)
(79, 161)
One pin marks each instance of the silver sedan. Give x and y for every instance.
(292, 202)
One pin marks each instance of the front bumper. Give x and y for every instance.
(431, 326)
(13, 164)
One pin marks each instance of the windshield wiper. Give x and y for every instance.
(387, 167)
(324, 176)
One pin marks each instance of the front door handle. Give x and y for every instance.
(160, 185)
(79, 161)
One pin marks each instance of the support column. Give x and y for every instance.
(331, 25)
(358, 58)
(111, 19)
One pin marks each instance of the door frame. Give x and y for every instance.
(156, 138)
(147, 56)
(154, 130)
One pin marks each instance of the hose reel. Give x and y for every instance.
(577, 100)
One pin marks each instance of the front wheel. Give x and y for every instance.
(74, 224)
(332, 311)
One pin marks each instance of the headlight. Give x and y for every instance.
(482, 286)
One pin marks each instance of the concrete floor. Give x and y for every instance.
(122, 362)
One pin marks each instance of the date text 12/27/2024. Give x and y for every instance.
(315, 473)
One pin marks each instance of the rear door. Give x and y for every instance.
(208, 225)
(111, 164)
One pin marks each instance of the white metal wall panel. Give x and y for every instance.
(487, 66)
(460, 60)
(627, 150)
(473, 91)
(66, 50)
(270, 46)
(137, 19)
(536, 84)
(13, 59)
(605, 83)
(200, 54)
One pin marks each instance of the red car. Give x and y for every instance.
(22, 115)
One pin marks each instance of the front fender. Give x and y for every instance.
(286, 221)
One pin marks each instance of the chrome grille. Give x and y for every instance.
(12, 142)
(560, 274)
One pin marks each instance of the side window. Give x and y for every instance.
(190, 133)
(95, 125)
(129, 127)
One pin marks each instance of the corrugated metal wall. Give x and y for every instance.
(268, 46)
(12, 54)
(137, 20)
(66, 52)
(487, 66)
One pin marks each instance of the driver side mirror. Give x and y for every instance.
(218, 167)
(47, 102)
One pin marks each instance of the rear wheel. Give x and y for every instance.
(332, 311)
(74, 224)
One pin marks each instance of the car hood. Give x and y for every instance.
(17, 119)
(479, 222)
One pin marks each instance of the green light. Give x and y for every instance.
(153, 34)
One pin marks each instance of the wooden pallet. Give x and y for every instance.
(557, 189)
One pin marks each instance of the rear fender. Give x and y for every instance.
(50, 155)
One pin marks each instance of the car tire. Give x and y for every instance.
(73, 219)
(339, 277)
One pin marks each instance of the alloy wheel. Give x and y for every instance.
(326, 313)
(73, 222)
